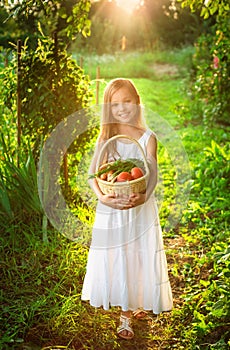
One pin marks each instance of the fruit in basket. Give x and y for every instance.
(111, 171)
(103, 176)
(136, 173)
(124, 176)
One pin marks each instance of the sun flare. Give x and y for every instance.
(128, 5)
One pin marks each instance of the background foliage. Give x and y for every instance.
(152, 25)
(211, 81)
(20, 20)
(52, 86)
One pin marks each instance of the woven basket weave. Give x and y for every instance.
(127, 187)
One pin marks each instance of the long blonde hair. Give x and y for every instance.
(109, 126)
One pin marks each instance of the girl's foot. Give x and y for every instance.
(139, 314)
(125, 328)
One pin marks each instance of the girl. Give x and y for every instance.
(126, 263)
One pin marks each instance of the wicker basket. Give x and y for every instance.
(127, 187)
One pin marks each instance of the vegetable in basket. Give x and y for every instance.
(120, 170)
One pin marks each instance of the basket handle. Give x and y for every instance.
(122, 137)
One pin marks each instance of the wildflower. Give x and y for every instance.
(215, 62)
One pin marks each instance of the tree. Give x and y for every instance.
(150, 23)
(52, 86)
(167, 22)
(69, 18)
(208, 8)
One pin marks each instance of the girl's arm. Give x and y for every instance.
(113, 201)
(152, 161)
(139, 198)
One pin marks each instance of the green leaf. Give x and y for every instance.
(5, 201)
(213, 9)
(69, 19)
(40, 29)
(204, 283)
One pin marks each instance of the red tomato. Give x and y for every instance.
(136, 173)
(124, 176)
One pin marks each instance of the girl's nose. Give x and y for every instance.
(121, 107)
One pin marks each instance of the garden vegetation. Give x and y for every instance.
(184, 81)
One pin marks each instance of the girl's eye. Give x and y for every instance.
(115, 104)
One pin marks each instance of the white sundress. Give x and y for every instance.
(127, 264)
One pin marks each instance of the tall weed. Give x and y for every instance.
(19, 199)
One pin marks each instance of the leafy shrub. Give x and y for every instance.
(213, 177)
(208, 209)
(207, 299)
(211, 83)
(52, 86)
(19, 200)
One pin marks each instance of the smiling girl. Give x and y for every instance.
(127, 265)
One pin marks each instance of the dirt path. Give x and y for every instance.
(162, 69)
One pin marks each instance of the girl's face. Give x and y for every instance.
(123, 105)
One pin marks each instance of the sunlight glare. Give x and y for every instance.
(128, 5)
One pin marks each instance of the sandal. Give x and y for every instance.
(125, 325)
(139, 314)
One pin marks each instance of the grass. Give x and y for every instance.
(135, 64)
(41, 283)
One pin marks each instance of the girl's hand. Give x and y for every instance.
(114, 201)
(136, 199)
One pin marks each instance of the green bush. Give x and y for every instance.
(211, 83)
(213, 177)
(207, 274)
(52, 86)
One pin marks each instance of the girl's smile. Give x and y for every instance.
(123, 105)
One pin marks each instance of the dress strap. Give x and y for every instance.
(145, 137)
